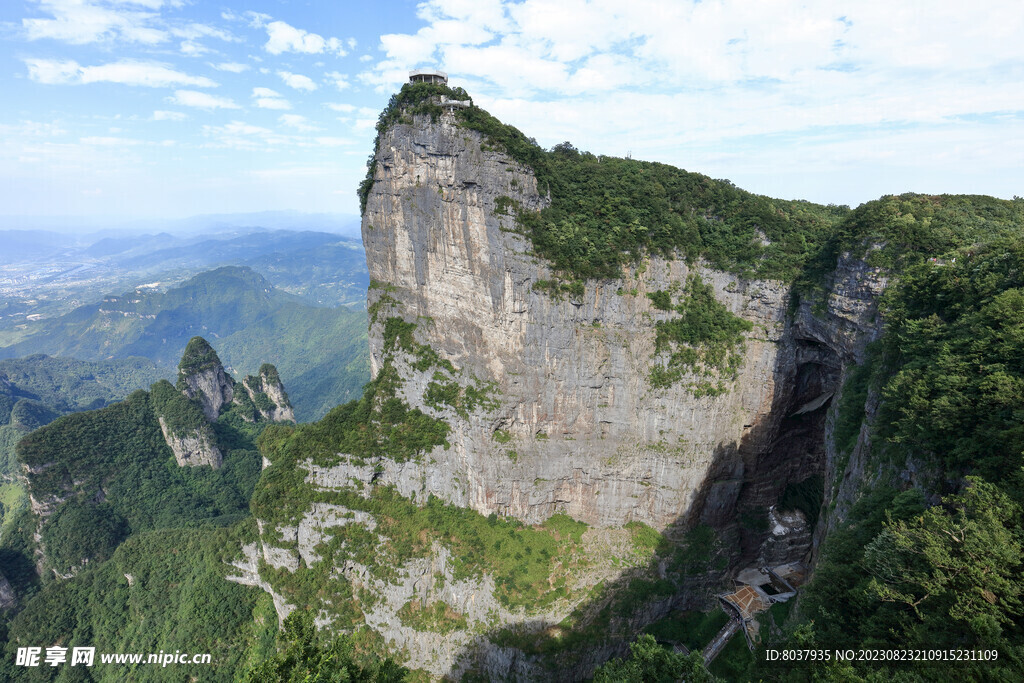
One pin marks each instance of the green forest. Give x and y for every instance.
(137, 548)
(939, 564)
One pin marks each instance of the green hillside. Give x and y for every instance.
(67, 385)
(138, 549)
(37, 389)
(116, 494)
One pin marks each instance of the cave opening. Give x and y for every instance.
(784, 471)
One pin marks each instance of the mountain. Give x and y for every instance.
(321, 349)
(48, 274)
(607, 391)
(37, 389)
(140, 503)
(618, 412)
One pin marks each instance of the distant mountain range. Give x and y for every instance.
(91, 228)
(43, 275)
(320, 352)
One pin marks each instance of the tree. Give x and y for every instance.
(960, 561)
(301, 659)
(649, 662)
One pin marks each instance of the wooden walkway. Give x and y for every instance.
(719, 642)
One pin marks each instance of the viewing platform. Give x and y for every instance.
(428, 76)
(757, 589)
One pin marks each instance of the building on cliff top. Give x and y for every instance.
(428, 76)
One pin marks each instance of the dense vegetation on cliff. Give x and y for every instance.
(129, 532)
(606, 212)
(37, 389)
(705, 342)
(159, 590)
(907, 569)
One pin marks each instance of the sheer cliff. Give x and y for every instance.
(604, 390)
(538, 399)
(569, 375)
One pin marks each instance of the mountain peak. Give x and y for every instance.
(198, 356)
(201, 376)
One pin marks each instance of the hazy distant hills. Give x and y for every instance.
(45, 274)
(321, 353)
(96, 227)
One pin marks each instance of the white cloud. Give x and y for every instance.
(344, 108)
(191, 48)
(297, 122)
(339, 79)
(716, 69)
(297, 81)
(101, 141)
(201, 100)
(282, 37)
(272, 103)
(163, 115)
(257, 19)
(125, 72)
(265, 98)
(233, 67)
(54, 71)
(580, 46)
(193, 31)
(88, 21)
(245, 136)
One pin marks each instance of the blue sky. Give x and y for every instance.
(170, 108)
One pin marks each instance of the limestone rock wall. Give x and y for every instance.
(281, 410)
(212, 387)
(193, 448)
(590, 437)
(846, 319)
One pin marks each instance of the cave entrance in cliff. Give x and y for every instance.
(786, 483)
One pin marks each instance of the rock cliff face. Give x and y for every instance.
(845, 320)
(201, 376)
(592, 438)
(193, 447)
(268, 396)
(565, 418)
(203, 382)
